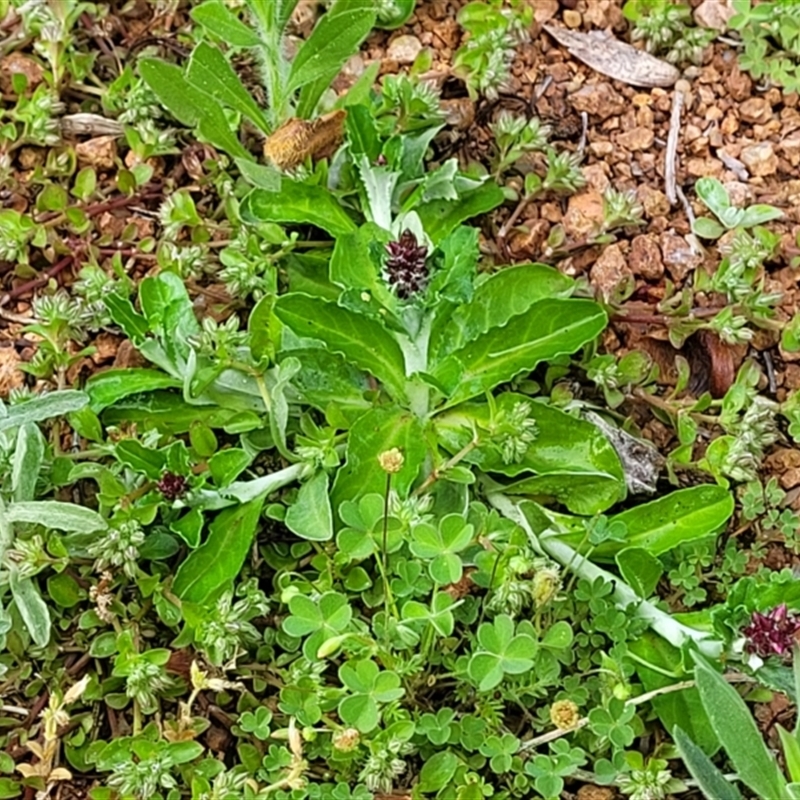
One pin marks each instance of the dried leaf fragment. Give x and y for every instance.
(296, 139)
(605, 54)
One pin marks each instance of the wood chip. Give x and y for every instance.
(605, 54)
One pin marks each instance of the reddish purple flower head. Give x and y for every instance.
(773, 633)
(172, 486)
(405, 266)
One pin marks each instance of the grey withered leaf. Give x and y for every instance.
(602, 52)
(640, 459)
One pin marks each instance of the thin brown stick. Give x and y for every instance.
(671, 154)
(35, 283)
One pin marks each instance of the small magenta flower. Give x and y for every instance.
(405, 266)
(172, 486)
(773, 633)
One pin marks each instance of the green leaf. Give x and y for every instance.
(106, 388)
(510, 292)
(712, 192)
(219, 559)
(145, 460)
(558, 636)
(27, 461)
(501, 651)
(310, 516)
(680, 517)
(640, 569)
(210, 72)
(327, 380)
(259, 175)
(334, 39)
(226, 465)
(551, 328)
(55, 515)
(190, 105)
(438, 771)
(362, 133)
(377, 431)
(64, 590)
(707, 228)
(214, 16)
(759, 214)
(441, 217)
(562, 442)
(32, 608)
(584, 493)
(364, 342)
(299, 203)
(660, 664)
(791, 753)
(42, 407)
(133, 324)
(734, 725)
(352, 265)
(9, 788)
(189, 527)
(711, 781)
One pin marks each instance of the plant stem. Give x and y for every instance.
(385, 544)
(624, 597)
(414, 345)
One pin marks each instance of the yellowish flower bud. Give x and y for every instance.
(346, 739)
(564, 715)
(391, 461)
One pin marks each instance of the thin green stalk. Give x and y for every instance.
(385, 544)
(624, 597)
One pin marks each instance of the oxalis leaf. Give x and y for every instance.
(218, 560)
(551, 327)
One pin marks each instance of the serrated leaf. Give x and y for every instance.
(214, 16)
(334, 39)
(681, 516)
(190, 105)
(364, 342)
(551, 328)
(210, 72)
(217, 562)
(511, 291)
(298, 203)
